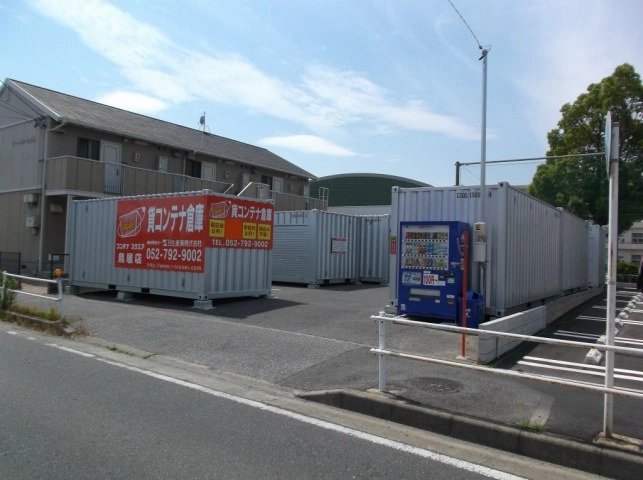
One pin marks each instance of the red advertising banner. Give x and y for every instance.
(238, 223)
(172, 233)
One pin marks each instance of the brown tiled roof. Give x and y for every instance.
(79, 111)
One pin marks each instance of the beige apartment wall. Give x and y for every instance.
(15, 236)
(20, 150)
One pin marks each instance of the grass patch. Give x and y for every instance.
(7, 298)
(52, 315)
(48, 321)
(531, 427)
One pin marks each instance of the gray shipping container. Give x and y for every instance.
(374, 264)
(315, 247)
(574, 233)
(201, 269)
(597, 256)
(524, 253)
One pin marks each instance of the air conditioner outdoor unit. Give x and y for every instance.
(30, 198)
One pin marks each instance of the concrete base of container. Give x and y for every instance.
(203, 304)
(124, 295)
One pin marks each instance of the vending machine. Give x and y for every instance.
(430, 273)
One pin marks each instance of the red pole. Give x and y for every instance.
(465, 274)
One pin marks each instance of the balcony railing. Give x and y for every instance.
(283, 201)
(83, 175)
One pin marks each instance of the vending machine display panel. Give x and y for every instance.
(430, 279)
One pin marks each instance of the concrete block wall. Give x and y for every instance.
(528, 322)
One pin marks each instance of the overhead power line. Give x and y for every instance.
(467, 25)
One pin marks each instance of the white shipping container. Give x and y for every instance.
(597, 256)
(374, 265)
(315, 247)
(574, 234)
(523, 250)
(196, 245)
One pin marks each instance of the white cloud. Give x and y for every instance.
(351, 98)
(577, 46)
(133, 101)
(308, 144)
(324, 98)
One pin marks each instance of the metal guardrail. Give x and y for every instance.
(382, 352)
(56, 298)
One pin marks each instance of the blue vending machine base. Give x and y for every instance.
(475, 309)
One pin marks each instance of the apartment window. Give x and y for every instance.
(636, 258)
(193, 169)
(267, 180)
(637, 237)
(87, 148)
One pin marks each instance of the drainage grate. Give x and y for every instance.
(435, 385)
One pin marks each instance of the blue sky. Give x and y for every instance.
(335, 86)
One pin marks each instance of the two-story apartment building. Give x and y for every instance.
(630, 243)
(56, 147)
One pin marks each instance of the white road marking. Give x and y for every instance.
(71, 350)
(581, 365)
(420, 452)
(565, 333)
(454, 462)
(587, 317)
(578, 370)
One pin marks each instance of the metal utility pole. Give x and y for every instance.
(483, 140)
(612, 160)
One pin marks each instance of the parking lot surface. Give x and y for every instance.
(319, 339)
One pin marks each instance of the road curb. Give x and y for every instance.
(118, 347)
(552, 448)
(55, 327)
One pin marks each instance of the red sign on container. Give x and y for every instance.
(172, 233)
(237, 223)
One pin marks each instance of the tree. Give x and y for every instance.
(580, 184)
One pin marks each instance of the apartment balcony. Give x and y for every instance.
(283, 201)
(92, 178)
(81, 175)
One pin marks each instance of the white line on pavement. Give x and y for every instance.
(464, 465)
(577, 370)
(583, 365)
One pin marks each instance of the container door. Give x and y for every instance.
(430, 279)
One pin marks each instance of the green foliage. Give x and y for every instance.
(52, 315)
(580, 184)
(531, 427)
(7, 298)
(627, 268)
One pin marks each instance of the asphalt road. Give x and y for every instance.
(68, 414)
(301, 340)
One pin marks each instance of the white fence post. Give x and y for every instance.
(382, 358)
(58, 298)
(382, 353)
